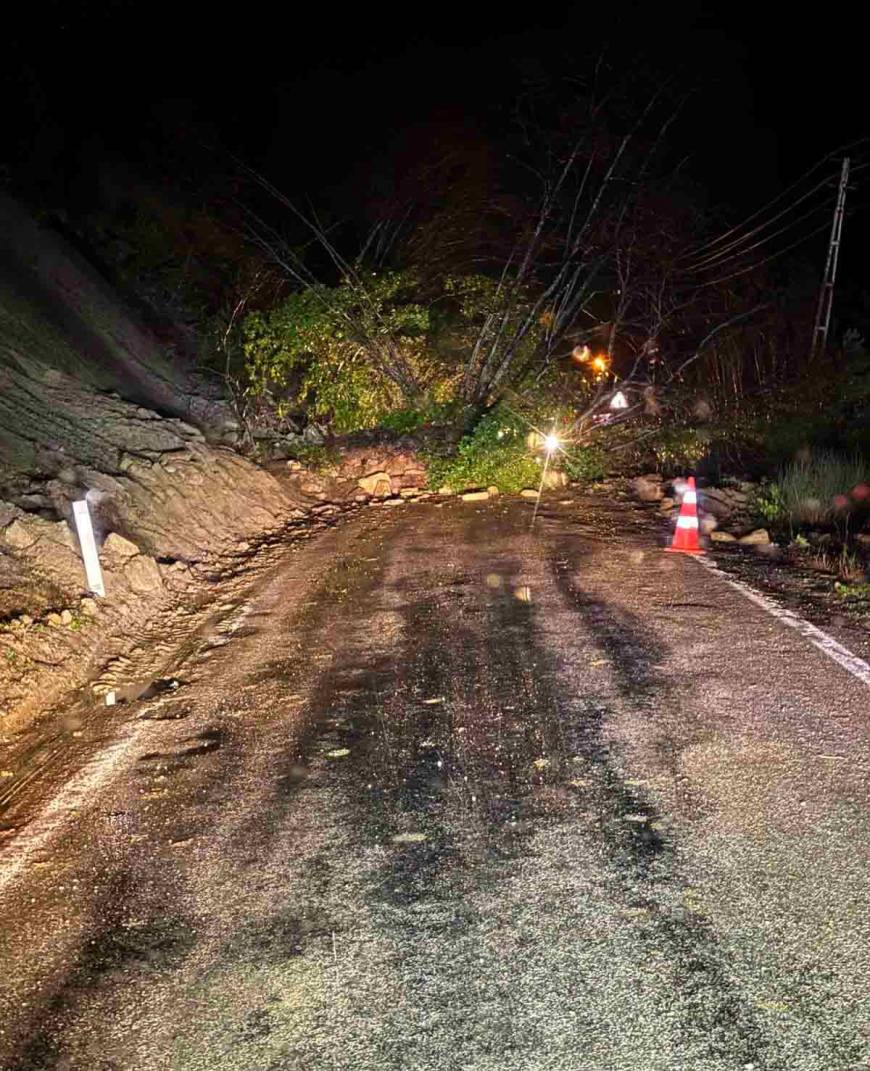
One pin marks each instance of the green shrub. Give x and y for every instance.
(856, 592)
(813, 490)
(405, 421)
(768, 503)
(585, 462)
(494, 454)
(679, 450)
(334, 350)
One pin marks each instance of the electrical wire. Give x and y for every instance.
(775, 200)
(712, 258)
(724, 279)
(716, 262)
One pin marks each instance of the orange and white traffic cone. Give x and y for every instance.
(686, 536)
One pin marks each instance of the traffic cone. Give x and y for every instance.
(686, 535)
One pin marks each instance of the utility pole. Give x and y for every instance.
(826, 294)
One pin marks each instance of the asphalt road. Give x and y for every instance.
(444, 793)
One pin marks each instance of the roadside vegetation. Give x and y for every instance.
(577, 284)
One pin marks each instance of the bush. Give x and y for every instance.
(814, 490)
(494, 454)
(585, 462)
(335, 351)
(678, 450)
(405, 421)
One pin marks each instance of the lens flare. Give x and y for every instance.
(551, 442)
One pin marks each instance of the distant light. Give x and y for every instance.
(551, 442)
(619, 401)
(600, 363)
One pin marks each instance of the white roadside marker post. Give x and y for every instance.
(89, 547)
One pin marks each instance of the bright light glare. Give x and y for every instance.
(600, 363)
(551, 442)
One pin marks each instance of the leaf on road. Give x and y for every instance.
(409, 838)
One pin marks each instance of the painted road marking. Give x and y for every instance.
(825, 643)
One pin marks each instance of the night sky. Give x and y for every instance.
(318, 100)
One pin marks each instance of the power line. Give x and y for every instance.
(775, 200)
(766, 260)
(712, 258)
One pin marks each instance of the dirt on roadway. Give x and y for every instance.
(444, 793)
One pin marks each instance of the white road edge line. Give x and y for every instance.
(825, 643)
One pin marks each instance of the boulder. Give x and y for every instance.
(19, 535)
(722, 537)
(117, 550)
(475, 496)
(528, 492)
(648, 488)
(143, 574)
(709, 501)
(760, 537)
(376, 483)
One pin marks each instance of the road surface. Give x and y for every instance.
(442, 793)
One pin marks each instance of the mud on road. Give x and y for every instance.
(454, 794)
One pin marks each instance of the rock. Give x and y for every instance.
(475, 496)
(493, 491)
(716, 504)
(666, 504)
(66, 617)
(116, 547)
(89, 606)
(19, 536)
(528, 492)
(376, 483)
(314, 435)
(445, 490)
(397, 501)
(648, 488)
(759, 537)
(554, 478)
(722, 537)
(410, 492)
(143, 574)
(53, 620)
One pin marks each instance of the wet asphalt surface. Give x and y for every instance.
(446, 793)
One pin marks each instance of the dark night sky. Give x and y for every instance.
(307, 98)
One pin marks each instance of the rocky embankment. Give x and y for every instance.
(92, 408)
(727, 513)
